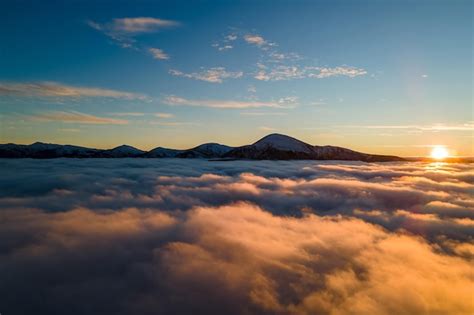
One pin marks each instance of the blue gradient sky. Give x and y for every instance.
(379, 76)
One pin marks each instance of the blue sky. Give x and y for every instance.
(379, 76)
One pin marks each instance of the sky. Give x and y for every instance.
(388, 77)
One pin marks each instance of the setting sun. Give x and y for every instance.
(439, 152)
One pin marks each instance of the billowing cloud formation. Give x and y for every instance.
(181, 236)
(54, 89)
(213, 75)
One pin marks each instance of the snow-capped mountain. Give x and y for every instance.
(282, 147)
(206, 150)
(122, 151)
(45, 150)
(271, 147)
(162, 153)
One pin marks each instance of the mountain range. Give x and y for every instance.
(271, 147)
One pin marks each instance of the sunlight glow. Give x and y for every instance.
(439, 152)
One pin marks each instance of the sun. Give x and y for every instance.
(439, 152)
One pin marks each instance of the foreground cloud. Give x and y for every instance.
(54, 89)
(226, 104)
(240, 237)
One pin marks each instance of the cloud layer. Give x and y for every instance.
(291, 237)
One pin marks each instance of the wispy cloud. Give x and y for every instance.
(265, 128)
(124, 30)
(158, 54)
(275, 65)
(213, 75)
(76, 117)
(284, 72)
(226, 104)
(226, 42)
(132, 26)
(53, 89)
(173, 123)
(164, 115)
(258, 41)
(263, 113)
(135, 114)
(69, 130)
(436, 127)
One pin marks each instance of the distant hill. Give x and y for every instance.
(272, 147)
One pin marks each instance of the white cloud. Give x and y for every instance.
(231, 37)
(213, 75)
(284, 72)
(256, 40)
(54, 89)
(76, 117)
(158, 54)
(226, 104)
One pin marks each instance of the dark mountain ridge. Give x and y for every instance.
(271, 147)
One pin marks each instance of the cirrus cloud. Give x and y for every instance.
(54, 89)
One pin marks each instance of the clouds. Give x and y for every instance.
(158, 54)
(289, 237)
(77, 118)
(137, 25)
(54, 89)
(226, 104)
(213, 75)
(258, 41)
(124, 31)
(283, 72)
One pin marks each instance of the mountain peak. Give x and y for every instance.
(283, 142)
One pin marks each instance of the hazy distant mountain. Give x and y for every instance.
(271, 147)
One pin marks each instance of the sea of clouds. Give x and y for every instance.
(159, 236)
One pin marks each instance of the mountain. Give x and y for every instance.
(162, 153)
(206, 150)
(45, 150)
(271, 147)
(122, 151)
(282, 147)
